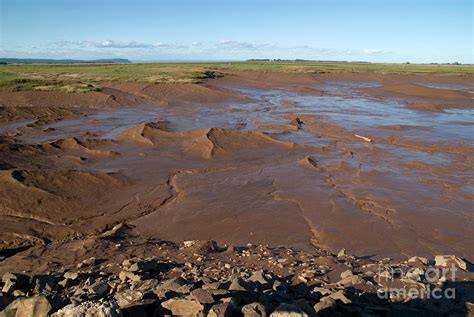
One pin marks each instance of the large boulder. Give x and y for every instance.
(90, 309)
(36, 306)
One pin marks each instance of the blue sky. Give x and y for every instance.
(372, 30)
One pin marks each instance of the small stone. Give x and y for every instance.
(19, 293)
(71, 275)
(189, 243)
(282, 261)
(419, 259)
(125, 275)
(254, 310)
(341, 253)
(89, 262)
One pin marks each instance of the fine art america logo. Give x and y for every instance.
(432, 288)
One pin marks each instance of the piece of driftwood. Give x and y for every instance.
(363, 138)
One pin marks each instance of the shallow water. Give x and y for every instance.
(342, 104)
(417, 173)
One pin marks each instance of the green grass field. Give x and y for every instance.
(81, 78)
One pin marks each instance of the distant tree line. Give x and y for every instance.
(4, 61)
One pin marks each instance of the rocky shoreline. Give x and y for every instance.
(201, 278)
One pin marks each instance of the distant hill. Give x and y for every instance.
(62, 61)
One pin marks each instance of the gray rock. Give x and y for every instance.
(254, 310)
(36, 306)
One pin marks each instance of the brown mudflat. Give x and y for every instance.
(331, 160)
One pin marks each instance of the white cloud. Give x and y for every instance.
(373, 51)
(115, 44)
(222, 49)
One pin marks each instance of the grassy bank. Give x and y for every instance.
(77, 78)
